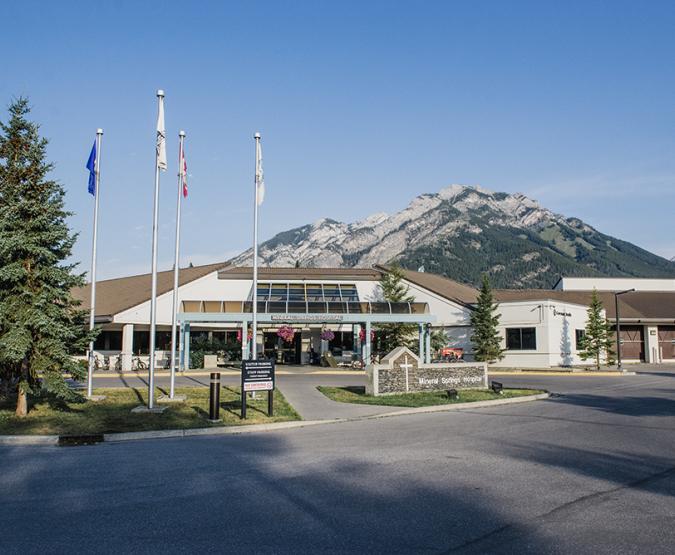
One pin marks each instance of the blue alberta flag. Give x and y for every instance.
(91, 166)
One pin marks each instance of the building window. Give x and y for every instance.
(108, 341)
(521, 339)
(141, 342)
(579, 336)
(312, 292)
(162, 341)
(349, 293)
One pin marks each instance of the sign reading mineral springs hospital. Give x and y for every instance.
(402, 372)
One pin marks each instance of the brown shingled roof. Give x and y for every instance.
(116, 295)
(639, 305)
(648, 305)
(445, 287)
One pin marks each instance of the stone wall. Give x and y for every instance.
(402, 372)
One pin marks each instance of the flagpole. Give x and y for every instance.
(153, 297)
(254, 326)
(174, 311)
(92, 306)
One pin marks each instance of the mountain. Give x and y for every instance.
(462, 232)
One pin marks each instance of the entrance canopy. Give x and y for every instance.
(305, 312)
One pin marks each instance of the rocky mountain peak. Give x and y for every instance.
(463, 231)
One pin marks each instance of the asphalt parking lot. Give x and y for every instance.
(591, 470)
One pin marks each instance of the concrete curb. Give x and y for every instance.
(29, 440)
(253, 428)
(222, 430)
(461, 406)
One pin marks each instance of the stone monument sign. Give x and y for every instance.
(402, 372)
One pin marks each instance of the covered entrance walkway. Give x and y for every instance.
(312, 317)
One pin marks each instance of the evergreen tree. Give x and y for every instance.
(484, 320)
(597, 339)
(40, 325)
(394, 290)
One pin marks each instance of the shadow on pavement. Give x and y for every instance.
(629, 406)
(254, 494)
(307, 491)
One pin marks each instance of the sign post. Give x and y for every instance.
(257, 375)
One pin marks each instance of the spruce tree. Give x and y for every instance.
(597, 339)
(484, 321)
(40, 324)
(395, 291)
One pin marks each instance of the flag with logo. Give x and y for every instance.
(161, 136)
(91, 166)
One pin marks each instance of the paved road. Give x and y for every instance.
(589, 471)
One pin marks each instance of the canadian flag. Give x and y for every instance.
(182, 164)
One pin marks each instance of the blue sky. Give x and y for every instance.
(361, 105)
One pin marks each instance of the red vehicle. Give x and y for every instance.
(452, 353)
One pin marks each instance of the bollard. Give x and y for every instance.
(214, 397)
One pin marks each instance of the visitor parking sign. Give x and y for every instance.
(257, 375)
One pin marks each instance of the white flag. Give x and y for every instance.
(259, 177)
(161, 136)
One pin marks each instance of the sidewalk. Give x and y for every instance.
(311, 404)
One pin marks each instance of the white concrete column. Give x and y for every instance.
(127, 346)
(181, 347)
(259, 343)
(356, 328)
(306, 342)
(652, 352)
(186, 347)
(368, 347)
(427, 350)
(421, 342)
(244, 341)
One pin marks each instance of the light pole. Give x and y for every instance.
(618, 327)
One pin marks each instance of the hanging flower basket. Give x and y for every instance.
(327, 335)
(287, 333)
(362, 334)
(249, 335)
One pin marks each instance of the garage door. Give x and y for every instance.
(632, 345)
(667, 342)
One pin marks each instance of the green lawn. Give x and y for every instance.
(426, 399)
(113, 414)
